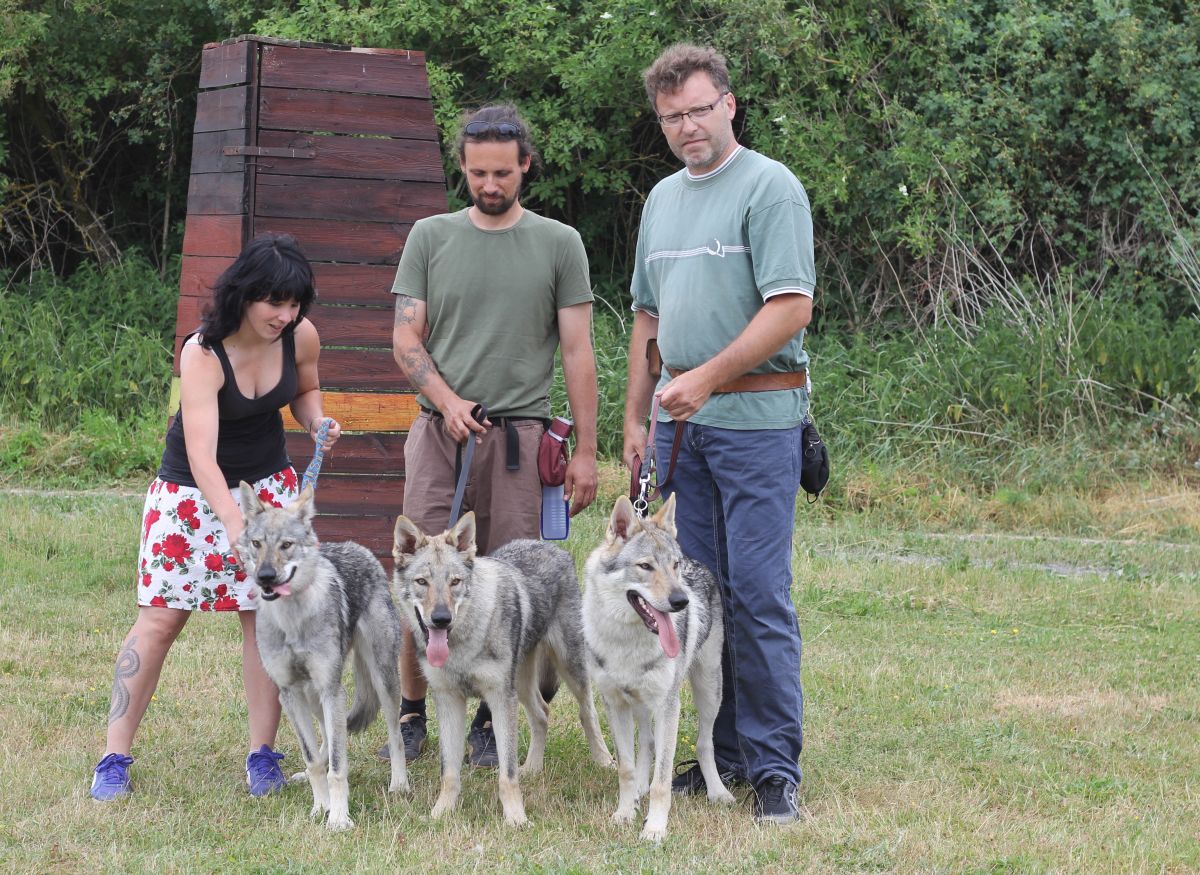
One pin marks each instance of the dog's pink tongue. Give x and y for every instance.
(667, 638)
(437, 651)
(284, 589)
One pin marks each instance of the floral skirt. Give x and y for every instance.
(185, 560)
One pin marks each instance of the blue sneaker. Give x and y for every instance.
(111, 779)
(263, 773)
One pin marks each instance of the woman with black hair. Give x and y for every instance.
(254, 353)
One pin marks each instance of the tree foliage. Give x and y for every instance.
(956, 154)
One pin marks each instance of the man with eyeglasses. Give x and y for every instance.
(484, 298)
(723, 284)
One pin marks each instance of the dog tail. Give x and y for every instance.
(547, 676)
(365, 706)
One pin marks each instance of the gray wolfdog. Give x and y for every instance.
(318, 604)
(651, 617)
(487, 623)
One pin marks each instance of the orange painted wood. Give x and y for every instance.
(347, 199)
(366, 72)
(214, 235)
(222, 110)
(225, 64)
(339, 113)
(365, 411)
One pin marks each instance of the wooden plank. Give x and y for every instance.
(373, 532)
(330, 112)
(347, 199)
(360, 242)
(362, 369)
(353, 157)
(225, 64)
(332, 70)
(213, 235)
(216, 194)
(365, 411)
(356, 411)
(352, 454)
(365, 284)
(208, 151)
(356, 493)
(338, 326)
(221, 110)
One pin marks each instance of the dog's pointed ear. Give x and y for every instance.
(665, 518)
(303, 506)
(405, 539)
(251, 506)
(462, 536)
(622, 521)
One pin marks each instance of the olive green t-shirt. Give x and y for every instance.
(492, 300)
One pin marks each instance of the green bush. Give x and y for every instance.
(98, 341)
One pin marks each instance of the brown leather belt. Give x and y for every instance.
(757, 382)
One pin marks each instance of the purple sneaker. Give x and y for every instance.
(263, 773)
(111, 778)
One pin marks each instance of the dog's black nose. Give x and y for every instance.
(440, 618)
(678, 599)
(266, 576)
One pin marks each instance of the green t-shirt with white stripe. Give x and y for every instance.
(492, 300)
(710, 251)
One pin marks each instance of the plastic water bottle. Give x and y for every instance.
(556, 519)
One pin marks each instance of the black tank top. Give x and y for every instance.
(250, 440)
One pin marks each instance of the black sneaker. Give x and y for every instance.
(483, 747)
(412, 733)
(775, 801)
(691, 781)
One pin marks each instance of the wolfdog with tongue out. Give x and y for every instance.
(651, 617)
(492, 627)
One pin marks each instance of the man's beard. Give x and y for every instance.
(494, 207)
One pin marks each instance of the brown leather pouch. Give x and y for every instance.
(653, 358)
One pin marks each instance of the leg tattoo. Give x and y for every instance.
(128, 664)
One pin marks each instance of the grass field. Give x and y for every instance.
(979, 699)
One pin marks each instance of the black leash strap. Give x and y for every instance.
(462, 465)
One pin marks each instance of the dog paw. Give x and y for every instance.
(722, 796)
(400, 787)
(654, 833)
(623, 816)
(528, 769)
(517, 819)
(339, 823)
(441, 809)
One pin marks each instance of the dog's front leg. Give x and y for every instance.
(621, 722)
(301, 718)
(333, 704)
(706, 693)
(665, 730)
(504, 721)
(452, 719)
(645, 747)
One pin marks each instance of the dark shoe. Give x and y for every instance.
(483, 747)
(775, 801)
(691, 782)
(412, 733)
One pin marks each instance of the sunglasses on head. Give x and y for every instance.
(504, 129)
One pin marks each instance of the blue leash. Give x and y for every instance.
(314, 467)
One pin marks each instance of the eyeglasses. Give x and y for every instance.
(508, 130)
(696, 114)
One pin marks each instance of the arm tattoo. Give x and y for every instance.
(406, 310)
(418, 366)
(128, 664)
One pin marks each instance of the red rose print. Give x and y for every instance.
(143, 563)
(168, 566)
(145, 580)
(187, 587)
(172, 488)
(289, 479)
(151, 518)
(225, 603)
(230, 560)
(221, 589)
(214, 562)
(210, 539)
(186, 508)
(205, 606)
(156, 548)
(264, 494)
(239, 575)
(192, 523)
(176, 548)
(158, 602)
